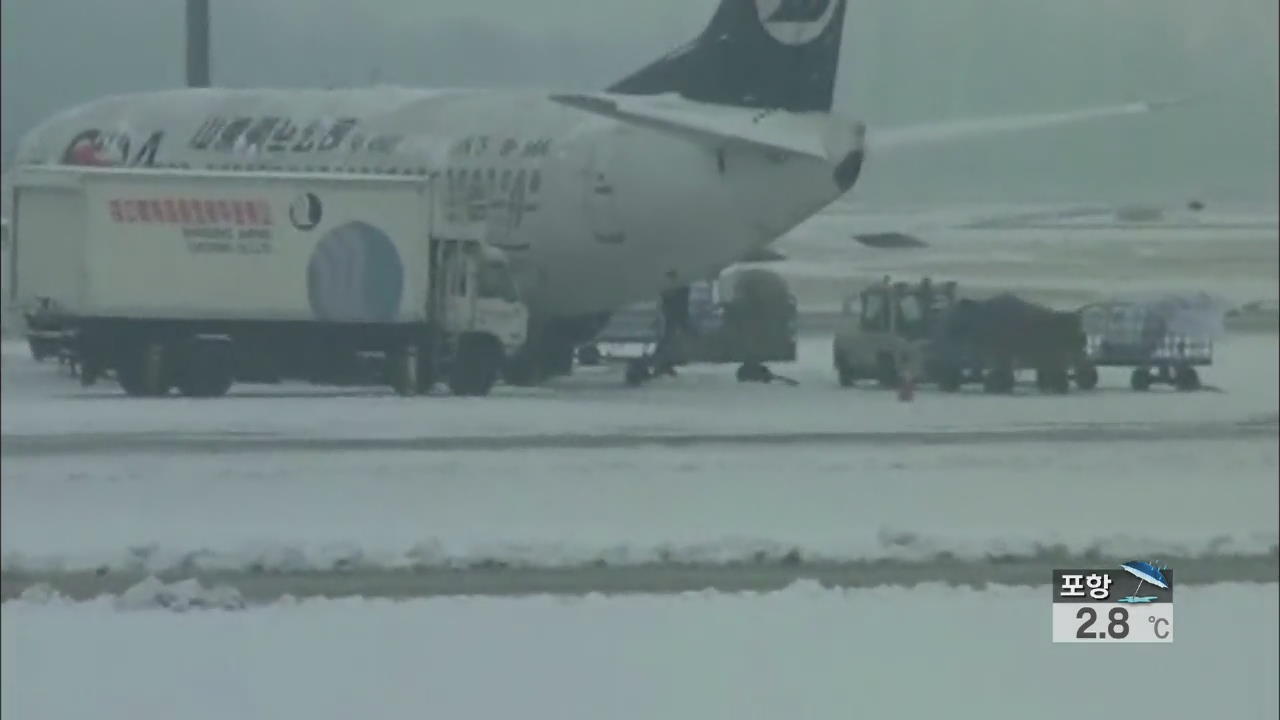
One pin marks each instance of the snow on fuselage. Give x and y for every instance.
(595, 213)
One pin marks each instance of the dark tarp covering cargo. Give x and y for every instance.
(1002, 334)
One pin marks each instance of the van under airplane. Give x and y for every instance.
(601, 199)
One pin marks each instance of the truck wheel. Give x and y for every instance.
(887, 371)
(589, 355)
(1186, 379)
(847, 376)
(998, 380)
(1086, 377)
(1052, 380)
(206, 369)
(637, 372)
(845, 373)
(141, 370)
(950, 379)
(404, 371)
(1140, 380)
(475, 367)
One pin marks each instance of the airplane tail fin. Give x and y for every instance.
(757, 54)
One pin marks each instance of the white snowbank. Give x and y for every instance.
(801, 652)
(180, 596)
(336, 511)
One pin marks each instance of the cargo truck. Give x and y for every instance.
(193, 280)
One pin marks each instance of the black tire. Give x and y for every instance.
(637, 372)
(475, 367)
(845, 373)
(1053, 381)
(204, 369)
(1086, 377)
(589, 355)
(142, 370)
(950, 379)
(753, 372)
(1186, 379)
(1140, 379)
(998, 381)
(887, 371)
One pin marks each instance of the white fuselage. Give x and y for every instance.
(595, 213)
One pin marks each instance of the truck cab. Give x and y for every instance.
(887, 336)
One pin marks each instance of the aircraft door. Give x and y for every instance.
(602, 198)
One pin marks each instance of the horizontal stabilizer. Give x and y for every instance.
(924, 135)
(817, 135)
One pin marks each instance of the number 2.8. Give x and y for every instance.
(1118, 627)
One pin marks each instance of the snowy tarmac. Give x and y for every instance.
(587, 485)
(697, 481)
(692, 548)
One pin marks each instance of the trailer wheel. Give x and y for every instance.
(1052, 380)
(1086, 376)
(141, 370)
(589, 355)
(998, 380)
(1140, 379)
(637, 372)
(1187, 379)
(950, 379)
(476, 365)
(38, 352)
(206, 368)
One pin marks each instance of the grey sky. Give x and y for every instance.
(905, 61)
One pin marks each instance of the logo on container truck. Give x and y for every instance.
(208, 226)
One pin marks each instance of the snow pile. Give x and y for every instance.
(151, 594)
(899, 546)
(42, 594)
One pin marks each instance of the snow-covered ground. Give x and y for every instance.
(96, 479)
(804, 652)
(697, 469)
(321, 511)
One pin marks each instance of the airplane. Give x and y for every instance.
(673, 173)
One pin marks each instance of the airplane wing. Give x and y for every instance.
(914, 136)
